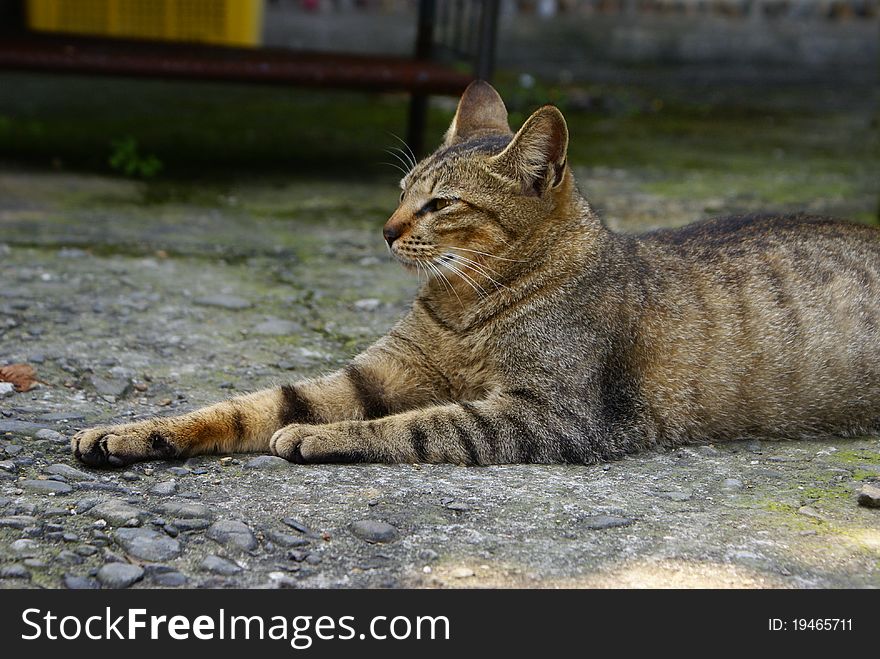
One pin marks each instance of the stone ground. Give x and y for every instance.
(131, 303)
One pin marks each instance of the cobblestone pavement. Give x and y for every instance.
(131, 304)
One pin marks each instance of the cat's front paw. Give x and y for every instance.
(305, 444)
(120, 445)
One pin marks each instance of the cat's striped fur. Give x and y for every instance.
(541, 336)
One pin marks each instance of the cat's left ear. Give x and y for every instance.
(536, 156)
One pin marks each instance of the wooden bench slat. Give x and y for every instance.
(251, 65)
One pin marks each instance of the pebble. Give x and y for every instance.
(117, 512)
(76, 582)
(20, 427)
(7, 389)
(52, 436)
(85, 505)
(14, 571)
(374, 531)
(230, 532)
(221, 301)
(189, 524)
(25, 547)
(165, 488)
(296, 525)
(119, 575)
(808, 511)
(179, 471)
(732, 484)
(285, 539)
(148, 545)
(46, 487)
(111, 388)
(219, 565)
(68, 557)
(70, 473)
(185, 509)
(461, 573)
(169, 579)
(599, 522)
(267, 462)
(18, 521)
(428, 555)
(277, 327)
(869, 496)
(8, 466)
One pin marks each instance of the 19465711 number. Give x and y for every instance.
(810, 624)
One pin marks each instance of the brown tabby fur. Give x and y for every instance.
(541, 336)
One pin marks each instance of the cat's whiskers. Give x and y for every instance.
(480, 291)
(410, 155)
(476, 251)
(395, 165)
(477, 268)
(444, 280)
(394, 151)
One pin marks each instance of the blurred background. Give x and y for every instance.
(677, 108)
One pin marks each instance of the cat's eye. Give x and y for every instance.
(436, 204)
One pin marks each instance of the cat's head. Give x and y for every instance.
(466, 208)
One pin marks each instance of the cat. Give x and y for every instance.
(541, 336)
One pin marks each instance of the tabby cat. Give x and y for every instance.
(541, 336)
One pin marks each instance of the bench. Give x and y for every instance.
(462, 30)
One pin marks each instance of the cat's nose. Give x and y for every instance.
(391, 232)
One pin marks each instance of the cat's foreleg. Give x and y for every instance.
(504, 428)
(371, 386)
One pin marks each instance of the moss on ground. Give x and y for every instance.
(782, 146)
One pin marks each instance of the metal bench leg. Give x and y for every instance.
(417, 123)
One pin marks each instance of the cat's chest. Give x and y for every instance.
(470, 369)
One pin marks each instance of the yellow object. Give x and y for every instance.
(231, 22)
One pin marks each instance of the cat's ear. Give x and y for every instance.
(480, 112)
(536, 155)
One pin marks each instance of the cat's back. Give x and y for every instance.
(740, 235)
(772, 321)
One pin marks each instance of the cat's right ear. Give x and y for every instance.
(480, 112)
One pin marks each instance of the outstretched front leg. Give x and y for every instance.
(385, 380)
(508, 427)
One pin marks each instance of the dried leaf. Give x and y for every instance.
(23, 376)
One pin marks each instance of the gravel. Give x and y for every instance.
(148, 545)
(117, 512)
(68, 472)
(46, 487)
(373, 531)
(119, 575)
(233, 534)
(165, 488)
(267, 462)
(217, 565)
(869, 496)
